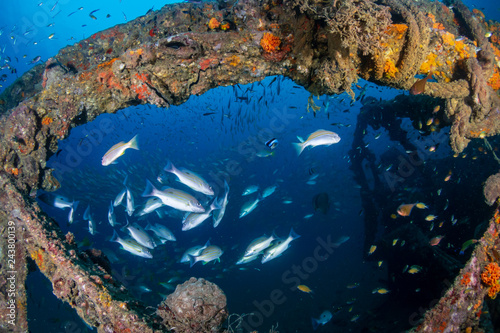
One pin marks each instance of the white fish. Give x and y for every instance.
(278, 249)
(250, 189)
(151, 205)
(131, 246)
(57, 201)
(318, 138)
(247, 259)
(71, 214)
(194, 251)
(192, 220)
(118, 150)
(174, 198)
(92, 226)
(141, 236)
(258, 245)
(248, 207)
(268, 191)
(119, 197)
(111, 215)
(219, 214)
(212, 252)
(190, 179)
(130, 203)
(161, 231)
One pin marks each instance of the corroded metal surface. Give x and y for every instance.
(166, 56)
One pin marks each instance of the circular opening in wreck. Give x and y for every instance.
(383, 231)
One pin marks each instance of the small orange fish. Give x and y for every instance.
(405, 209)
(419, 86)
(436, 109)
(372, 249)
(305, 289)
(435, 241)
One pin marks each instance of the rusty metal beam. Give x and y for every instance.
(183, 49)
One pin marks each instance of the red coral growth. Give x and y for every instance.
(205, 63)
(491, 276)
(47, 120)
(270, 43)
(465, 279)
(142, 90)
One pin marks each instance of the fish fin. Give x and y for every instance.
(314, 323)
(293, 234)
(115, 236)
(207, 244)
(300, 139)
(215, 205)
(298, 147)
(86, 214)
(148, 227)
(133, 143)
(226, 186)
(192, 260)
(150, 189)
(124, 228)
(169, 167)
(125, 180)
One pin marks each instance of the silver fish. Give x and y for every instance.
(118, 150)
(161, 231)
(248, 207)
(174, 198)
(193, 251)
(212, 252)
(190, 179)
(141, 236)
(192, 220)
(318, 138)
(258, 245)
(219, 214)
(131, 246)
(130, 203)
(278, 249)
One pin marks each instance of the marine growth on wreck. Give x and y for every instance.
(243, 166)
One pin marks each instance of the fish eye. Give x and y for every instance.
(198, 204)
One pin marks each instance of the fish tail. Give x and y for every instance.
(215, 204)
(125, 181)
(133, 143)
(75, 204)
(299, 147)
(192, 260)
(314, 323)
(293, 234)
(148, 227)
(170, 167)
(150, 189)
(115, 237)
(226, 186)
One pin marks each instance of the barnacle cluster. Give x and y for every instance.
(491, 276)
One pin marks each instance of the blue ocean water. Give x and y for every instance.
(223, 145)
